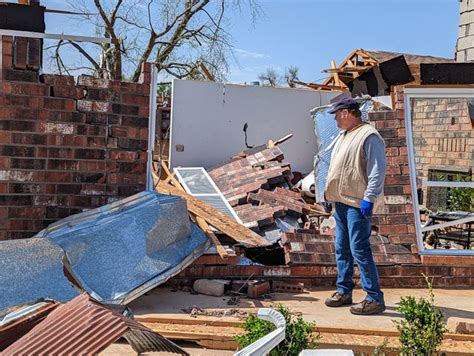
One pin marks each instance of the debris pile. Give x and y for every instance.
(258, 187)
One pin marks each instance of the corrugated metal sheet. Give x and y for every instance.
(17, 321)
(85, 327)
(119, 251)
(31, 269)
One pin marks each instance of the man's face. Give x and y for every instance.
(342, 118)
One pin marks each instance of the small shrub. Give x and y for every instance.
(299, 334)
(423, 326)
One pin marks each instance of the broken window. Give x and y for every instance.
(440, 139)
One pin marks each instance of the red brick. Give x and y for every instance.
(134, 99)
(63, 91)
(20, 75)
(59, 104)
(256, 289)
(26, 212)
(54, 79)
(24, 88)
(20, 52)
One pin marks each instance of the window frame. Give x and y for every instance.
(432, 93)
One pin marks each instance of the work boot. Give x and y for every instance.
(367, 307)
(337, 300)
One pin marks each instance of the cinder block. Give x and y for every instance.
(287, 287)
(209, 287)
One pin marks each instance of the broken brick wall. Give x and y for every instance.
(397, 220)
(66, 145)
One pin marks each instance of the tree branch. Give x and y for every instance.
(117, 70)
(163, 55)
(88, 57)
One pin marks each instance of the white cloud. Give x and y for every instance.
(248, 54)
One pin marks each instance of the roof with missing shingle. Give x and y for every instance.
(382, 56)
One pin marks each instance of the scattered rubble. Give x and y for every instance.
(195, 311)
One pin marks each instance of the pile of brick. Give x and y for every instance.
(257, 186)
(309, 247)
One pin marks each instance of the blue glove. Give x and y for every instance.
(366, 208)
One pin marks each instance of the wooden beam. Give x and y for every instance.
(203, 225)
(335, 75)
(349, 69)
(215, 218)
(321, 86)
(271, 143)
(206, 72)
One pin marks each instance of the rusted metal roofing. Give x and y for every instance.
(83, 326)
(17, 321)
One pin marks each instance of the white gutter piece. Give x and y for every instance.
(267, 343)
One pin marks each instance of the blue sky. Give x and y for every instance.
(308, 34)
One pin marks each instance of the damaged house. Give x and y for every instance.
(109, 190)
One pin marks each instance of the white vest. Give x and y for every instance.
(347, 177)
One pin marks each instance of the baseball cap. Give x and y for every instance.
(344, 104)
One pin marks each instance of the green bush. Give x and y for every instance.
(461, 199)
(298, 337)
(423, 326)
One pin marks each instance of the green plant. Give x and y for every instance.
(298, 333)
(461, 199)
(423, 326)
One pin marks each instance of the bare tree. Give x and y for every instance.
(176, 35)
(291, 74)
(270, 78)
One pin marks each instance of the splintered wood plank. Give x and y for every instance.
(203, 225)
(215, 218)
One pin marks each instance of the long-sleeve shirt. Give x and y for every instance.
(374, 150)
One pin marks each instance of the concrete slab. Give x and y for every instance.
(164, 303)
(122, 349)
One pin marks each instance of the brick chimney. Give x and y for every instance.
(21, 53)
(465, 43)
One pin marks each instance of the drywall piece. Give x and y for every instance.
(207, 120)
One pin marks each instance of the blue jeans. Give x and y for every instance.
(352, 243)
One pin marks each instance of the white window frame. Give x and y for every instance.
(432, 93)
(218, 193)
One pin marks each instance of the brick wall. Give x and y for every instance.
(66, 145)
(397, 220)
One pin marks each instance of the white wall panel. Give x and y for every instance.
(207, 119)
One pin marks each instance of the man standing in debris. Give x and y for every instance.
(355, 180)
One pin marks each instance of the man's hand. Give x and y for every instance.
(366, 208)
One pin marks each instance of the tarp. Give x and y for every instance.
(31, 269)
(121, 250)
(326, 132)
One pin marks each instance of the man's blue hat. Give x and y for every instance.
(344, 104)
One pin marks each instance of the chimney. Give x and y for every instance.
(465, 43)
(21, 53)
